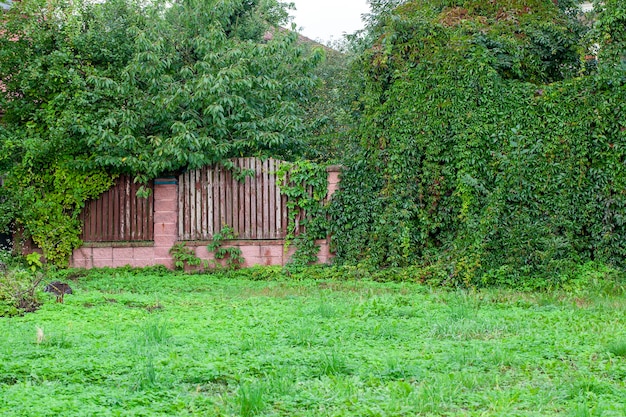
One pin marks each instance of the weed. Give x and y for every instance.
(231, 255)
(303, 333)
(155, 332)
(250, 399)
(618, 348)
(184, 256)
(326, 309)
(333, 364)
(147, 377)
(18, 292)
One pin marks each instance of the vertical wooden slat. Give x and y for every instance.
(203, 204)
(266, 183)
(139, 216)
(222, 199)
(284, 216)
(241, 195)
(234, 186)
(210, 204)
(278, 208)
(196, 204)
(271, 200)
(253, 197)
(259, 199)
(228, 198)
(217, 198)
(247, 201)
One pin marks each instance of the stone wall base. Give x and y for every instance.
(142, 254)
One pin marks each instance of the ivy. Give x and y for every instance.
(231, 255)
(484, 150)
(305, 184)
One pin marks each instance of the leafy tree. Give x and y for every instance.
(98, 89)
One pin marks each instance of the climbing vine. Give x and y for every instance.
(305, 184)
(48, 204)
(487, 148)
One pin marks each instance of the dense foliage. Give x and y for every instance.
(95, 89)
(487, 146)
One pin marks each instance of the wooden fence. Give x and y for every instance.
(211, 197)
(119, 215)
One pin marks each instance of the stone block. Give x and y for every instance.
(272, 251)
(102, 253)
(162, 253)
(165, 192)
(141, 263)
(122, 253)
(169, 217)
(101, 263)
(143, 253)
(80, 262)
(250, 251)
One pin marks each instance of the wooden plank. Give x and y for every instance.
(228, 189)
(187, 219)
(204, 226)
(196, 205)
(217, 201)
(95, 219)
(210, 202)
(234, 184)
(128, 209)
(222, 200)
(271, 200)
(241, 188)
(108, 207)
(265, 200)
(138, 214)
(253, 200)
(257, 195)
(247, 234)
(132, 198)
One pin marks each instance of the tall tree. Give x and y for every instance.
(124, 86)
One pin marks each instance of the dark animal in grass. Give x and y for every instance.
(59, 289)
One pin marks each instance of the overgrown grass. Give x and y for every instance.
(155, 343)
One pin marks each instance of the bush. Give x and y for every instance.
(18, 292)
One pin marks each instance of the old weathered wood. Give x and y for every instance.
(213, 197)
(119, 215)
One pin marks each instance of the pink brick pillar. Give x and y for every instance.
(334, 171)
(165, 219)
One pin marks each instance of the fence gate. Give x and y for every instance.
(211, 197)
(119, 215)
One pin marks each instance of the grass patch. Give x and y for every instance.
(152, 342)
(618, 348)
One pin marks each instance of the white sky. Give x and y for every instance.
(328, 19)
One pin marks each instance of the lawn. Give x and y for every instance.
(150, 343)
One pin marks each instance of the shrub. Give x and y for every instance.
(19, 292)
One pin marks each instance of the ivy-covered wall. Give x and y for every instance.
(487, 146)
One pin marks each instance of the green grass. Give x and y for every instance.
(131, 343)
